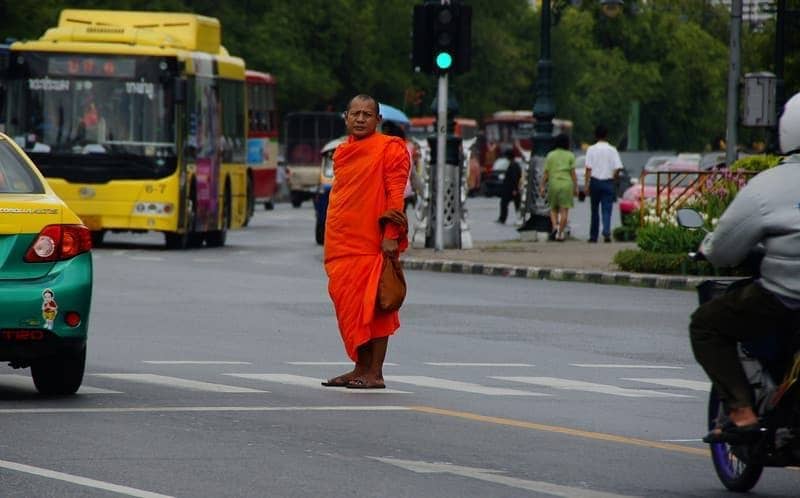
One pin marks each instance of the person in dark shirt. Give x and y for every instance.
(510, 189)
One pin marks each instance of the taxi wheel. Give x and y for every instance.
(319, 233)
(296, 199)
(60, 374)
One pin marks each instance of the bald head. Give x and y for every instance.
(364, 99)
(362, 116)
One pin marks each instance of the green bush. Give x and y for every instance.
(637, 261)
(668, 239)
(756, 163)
(627, 231)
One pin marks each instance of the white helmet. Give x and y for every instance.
(789, 126)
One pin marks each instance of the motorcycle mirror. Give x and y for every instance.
(689, 218)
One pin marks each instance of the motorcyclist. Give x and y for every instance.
(766, 212)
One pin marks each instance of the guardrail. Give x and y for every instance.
(676, 188)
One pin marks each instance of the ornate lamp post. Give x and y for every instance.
(544, 110)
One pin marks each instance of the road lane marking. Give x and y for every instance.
(330, 363)
(163, 380)
(460, 364)
(210, 409)
(81, 481)
(310, 382)
(207, 260)
(694, 385)
(599, 436)
(620, 365)
(494, 476)
(454, 385)
(195, 362)
(579, 385)
(24, 382)
(520, 424)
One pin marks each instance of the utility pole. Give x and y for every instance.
(731, 136)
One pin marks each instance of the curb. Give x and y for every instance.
(672, 282)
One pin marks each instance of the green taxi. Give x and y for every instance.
(45, 277)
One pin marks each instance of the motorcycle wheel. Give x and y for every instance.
(734, 473)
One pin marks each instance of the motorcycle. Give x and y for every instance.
(772, 365)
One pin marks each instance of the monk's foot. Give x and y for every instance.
(340, 381)
(365, 382)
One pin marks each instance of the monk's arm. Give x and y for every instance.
(395, 176)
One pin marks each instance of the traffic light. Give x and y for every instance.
(442, 37)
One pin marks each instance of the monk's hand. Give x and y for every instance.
(390, 248)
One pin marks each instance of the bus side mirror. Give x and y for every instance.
(180, 90)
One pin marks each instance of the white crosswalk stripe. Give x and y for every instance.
(453, 385)
(694, 385)
(673, 386)
(23, 382)
(579, 385)
(310, 382)
(163, 380)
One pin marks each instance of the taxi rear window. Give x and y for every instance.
(16, 176)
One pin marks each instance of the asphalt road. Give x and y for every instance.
(204, 369)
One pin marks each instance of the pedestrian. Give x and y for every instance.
(562, 185)
(393, 129)
(603, 165)
(370, 175)
(509, 190)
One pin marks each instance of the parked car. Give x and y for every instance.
(646, 187)
(45, 277)
(580, 174)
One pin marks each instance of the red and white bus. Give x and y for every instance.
(262, 137)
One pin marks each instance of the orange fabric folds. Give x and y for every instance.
(369, 179)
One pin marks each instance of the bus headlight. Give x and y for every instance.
(153, 208)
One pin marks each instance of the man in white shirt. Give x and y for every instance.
(603, 165)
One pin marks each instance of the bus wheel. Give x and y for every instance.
(216, 238)
(188, 238)
(97, 237)
(251, 202)
(269, 205)
(296, 199)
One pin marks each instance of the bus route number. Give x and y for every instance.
(155, 188)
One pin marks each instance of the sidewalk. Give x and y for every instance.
(573, 260)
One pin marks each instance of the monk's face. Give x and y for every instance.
(362, 118)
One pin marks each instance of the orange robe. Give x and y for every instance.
(369, 177)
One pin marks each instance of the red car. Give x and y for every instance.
(646, 188)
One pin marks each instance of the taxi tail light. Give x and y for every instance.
(59, 242)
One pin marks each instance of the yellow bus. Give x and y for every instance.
(138, 121)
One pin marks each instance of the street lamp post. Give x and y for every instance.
(544, 110)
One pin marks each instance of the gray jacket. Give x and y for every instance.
(765, 211)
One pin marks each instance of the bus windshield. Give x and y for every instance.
(79, 104)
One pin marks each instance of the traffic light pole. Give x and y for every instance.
(441, 140)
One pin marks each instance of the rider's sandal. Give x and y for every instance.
(735, 434)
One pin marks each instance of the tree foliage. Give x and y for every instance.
(669, 55)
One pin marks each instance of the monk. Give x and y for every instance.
(370, 174)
